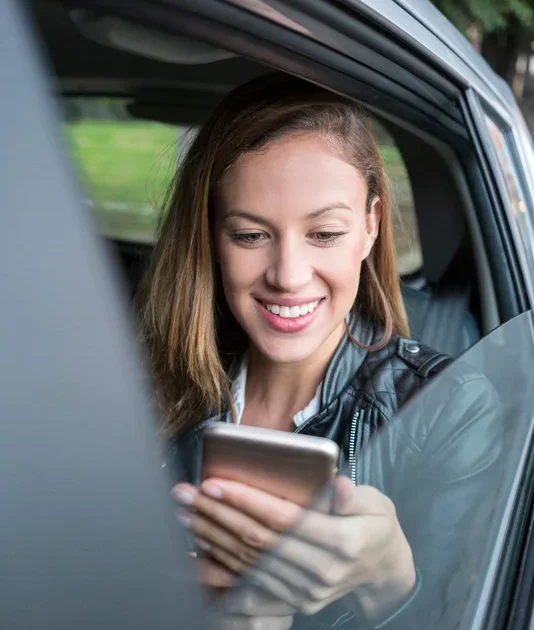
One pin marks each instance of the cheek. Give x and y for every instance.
(342, 266)
(240, 268)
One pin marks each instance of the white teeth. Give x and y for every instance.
(293, 311)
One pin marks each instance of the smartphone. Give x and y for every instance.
(299, 468)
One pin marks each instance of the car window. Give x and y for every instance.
(409, 254)
(459, 528)
(127, 164)
(513, 188)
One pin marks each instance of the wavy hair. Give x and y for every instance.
(185, 323)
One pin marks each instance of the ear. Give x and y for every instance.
(372, 221)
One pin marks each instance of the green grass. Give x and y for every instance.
(126, 167)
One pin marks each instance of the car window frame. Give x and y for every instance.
(482, 111)
(491, 185)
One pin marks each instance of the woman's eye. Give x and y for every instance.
(328, 237)
(248, 238)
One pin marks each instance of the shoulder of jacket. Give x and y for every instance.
(425, 361)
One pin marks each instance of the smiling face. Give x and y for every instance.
(291, 231)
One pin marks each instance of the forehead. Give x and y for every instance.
(294, 175)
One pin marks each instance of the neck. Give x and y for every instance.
(275, 392)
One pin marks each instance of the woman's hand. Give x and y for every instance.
(246, 608)
(359, 551)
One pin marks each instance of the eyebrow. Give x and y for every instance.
(311, 215)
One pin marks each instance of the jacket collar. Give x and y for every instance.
(347, 358)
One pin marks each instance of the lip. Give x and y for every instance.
(288, 324)
(290, 301)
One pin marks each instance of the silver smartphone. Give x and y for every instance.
(292, 466)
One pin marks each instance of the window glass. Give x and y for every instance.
(126, 165)
(505, 163)
(409, 255)
(458, 503)
(515, 196)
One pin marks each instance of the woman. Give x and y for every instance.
(273, 300)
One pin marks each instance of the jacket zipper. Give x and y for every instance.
(352, 442)
(352, 446)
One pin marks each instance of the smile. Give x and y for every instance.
(289, 319)
(291, 312)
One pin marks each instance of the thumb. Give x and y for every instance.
(343, 496)
(350, 500)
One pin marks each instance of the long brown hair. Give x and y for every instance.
(185, 321)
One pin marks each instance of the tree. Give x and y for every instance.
(490, 15)
(506, 28)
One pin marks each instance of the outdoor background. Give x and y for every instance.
(126, 165)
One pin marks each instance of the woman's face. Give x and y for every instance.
(291, 232)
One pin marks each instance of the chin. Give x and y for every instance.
(286, 351)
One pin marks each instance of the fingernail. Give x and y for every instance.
(211, 490)
(202, 544)
(185, 496)
(184, 519)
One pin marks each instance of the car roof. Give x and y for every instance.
(421, 24)
(83, 66)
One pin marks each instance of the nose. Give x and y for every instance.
(290, 269)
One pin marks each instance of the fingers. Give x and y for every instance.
(240, 622)
(226, 516)
(248, 600)
(274, 513)
(285, 589)
(301, 577)
(297, 572)
(300, 563)
(234, 537)
(229, 560)
(212, 574)
(308, 598)
(243, 537)
(211, 535)
(350, 500)
(363, 515)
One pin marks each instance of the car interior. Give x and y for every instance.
(97, 542)
(178, 80)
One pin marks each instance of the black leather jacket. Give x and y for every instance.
(435, 463)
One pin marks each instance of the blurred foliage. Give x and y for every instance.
(489, 15)
(126, 166)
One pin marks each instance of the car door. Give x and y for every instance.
(490, 582)
(88, 538)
